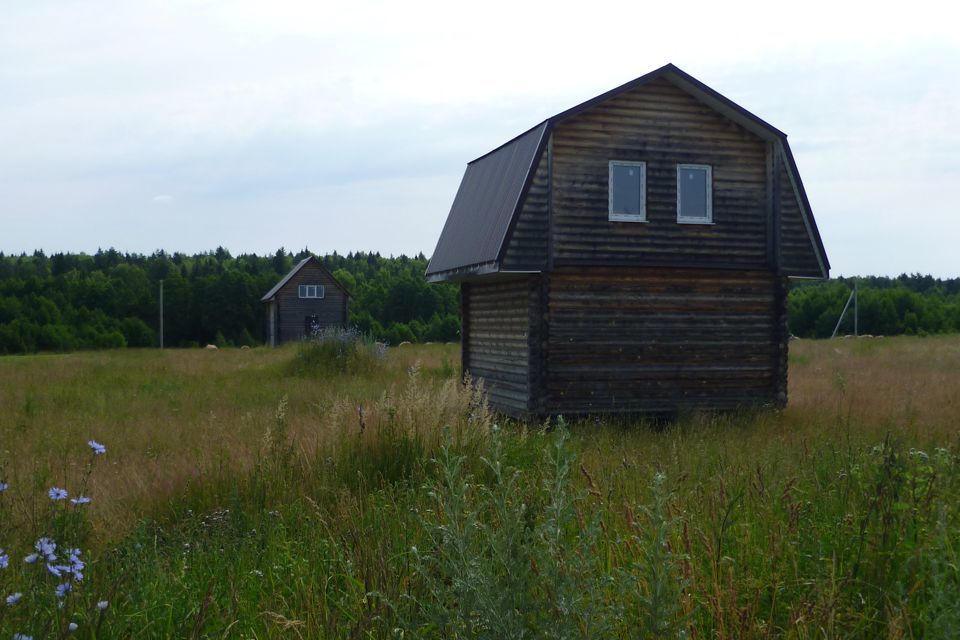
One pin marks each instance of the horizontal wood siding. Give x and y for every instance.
(292, 310)
(497, 343)
(527, 246)
(798, 254)
(661, 125)
(655, 339)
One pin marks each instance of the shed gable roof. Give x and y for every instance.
(494, 185)
(300, 265)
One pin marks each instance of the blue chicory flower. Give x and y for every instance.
(102, 605)
(14, 598)
(56, 493)
(47, 547)
(4, 560)
(4, 486)
(98, 449)
(22, 636)
(80, 500)
(63, 589)
(32, 558)
(72, 626)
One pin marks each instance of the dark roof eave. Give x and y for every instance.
(462, 273)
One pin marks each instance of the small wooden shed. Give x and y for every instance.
(631, 254)
(306, 299)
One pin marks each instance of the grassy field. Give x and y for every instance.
(255, 493)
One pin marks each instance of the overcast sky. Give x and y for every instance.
(346, 126)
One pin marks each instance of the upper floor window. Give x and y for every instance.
(311, 291)
(695, 193)
(628, 191)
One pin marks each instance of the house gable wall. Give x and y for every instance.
(293, 310)
(661, 125)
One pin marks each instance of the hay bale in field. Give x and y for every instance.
(211, 346)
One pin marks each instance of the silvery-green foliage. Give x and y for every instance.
(652, 580)
(476, 571)
(513, 555)
(573, 585)
(943, 582)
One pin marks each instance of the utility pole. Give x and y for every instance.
(856, 306)
(855, 298)
(161, 315)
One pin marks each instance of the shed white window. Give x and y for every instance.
(627, 191)
(695, 193)
(311, 291)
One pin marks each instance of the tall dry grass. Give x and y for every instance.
(239, 496)
(172, 418)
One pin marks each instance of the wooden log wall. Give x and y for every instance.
(797, 249)
(293, 310)
(663, 126)
(658, 340)
(527, 246)
(781, 338)
(496, 346)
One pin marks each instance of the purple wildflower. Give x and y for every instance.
(80, 500)
(102, 605)
(22, 636)
(56, 493)
(4, 560)
(76, 564)
(14, 598)
(98, 449)
(4, 486)
(32, 558)
(63, 589)
(47, 547)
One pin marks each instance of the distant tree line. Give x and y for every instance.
(110, 299)
(908, 304)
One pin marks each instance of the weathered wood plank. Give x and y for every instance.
(658, 339)
(497, 350)
(662, 126)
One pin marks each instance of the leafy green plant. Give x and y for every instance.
(337, 351)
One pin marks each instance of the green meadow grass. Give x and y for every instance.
(242, 496)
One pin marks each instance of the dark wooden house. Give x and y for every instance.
(306, 298)
(631, 254)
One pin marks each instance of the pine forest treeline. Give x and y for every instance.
(110, 299)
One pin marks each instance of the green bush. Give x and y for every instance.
(337, 351)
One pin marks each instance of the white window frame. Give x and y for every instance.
(311, 291)
(688, 219)
(627, 217)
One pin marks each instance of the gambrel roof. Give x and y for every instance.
(492, 191)
(486, 202)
